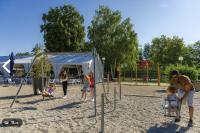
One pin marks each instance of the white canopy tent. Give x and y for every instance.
(58, 60)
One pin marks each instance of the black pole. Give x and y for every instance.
(95, 108)
(102, 113)
(24, 80)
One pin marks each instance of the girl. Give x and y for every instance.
(86, 85)
(92, 85)
(49, 90)
(173, 102)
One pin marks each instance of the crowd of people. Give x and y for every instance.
(87, 85)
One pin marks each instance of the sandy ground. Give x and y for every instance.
(138, 111)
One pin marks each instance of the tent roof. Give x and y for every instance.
(5, 58)
(55, 58)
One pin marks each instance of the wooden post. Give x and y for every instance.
(119, 82)
(136, 74)
(108, 79)
(102, 113)
(147, 72)
(120, 92)
(115, 92)
(158, 74)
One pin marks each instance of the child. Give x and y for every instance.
(92, 85)
(173, 102)
(49, 90)
(86, 83)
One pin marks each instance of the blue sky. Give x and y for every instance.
(20, 20)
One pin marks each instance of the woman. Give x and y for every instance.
(64, 80)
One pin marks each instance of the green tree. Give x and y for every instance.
(192, 56)
(166, 50)
(140, 55)
(63, 29)
(113, 38)
(23, 54)
(37, 49)
(146, 51)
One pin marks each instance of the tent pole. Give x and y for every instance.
(94, 55)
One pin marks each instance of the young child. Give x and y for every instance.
(92, 85)
(86, 85)
(49, 90)
(173, 101)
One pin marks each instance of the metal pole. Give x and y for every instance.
(23, 82)
(42, 66)
(102, 113)
(95, 108)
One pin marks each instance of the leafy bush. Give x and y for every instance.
(191, 72)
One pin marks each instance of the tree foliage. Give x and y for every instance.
(23, 54)
(63, 29)
(113, 38)
(146, 51)
(192, 56)
(166, 50)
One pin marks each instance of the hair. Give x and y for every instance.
(174, 72)
(51, 84)
(171, 89)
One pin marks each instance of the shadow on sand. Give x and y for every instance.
(167, 128)
(12, 97)
(161, 91)
(67, 106)
(36, 101)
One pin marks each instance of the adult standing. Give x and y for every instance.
(184, 84)
(64, 80)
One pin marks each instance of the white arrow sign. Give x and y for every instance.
(5, 64)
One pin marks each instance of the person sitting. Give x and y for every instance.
(49, 91)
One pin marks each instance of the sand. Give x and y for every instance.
(139, 111)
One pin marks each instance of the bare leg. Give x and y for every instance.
(191, 111)
(92, 92)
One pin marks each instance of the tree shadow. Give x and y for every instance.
(12, 97)
(142, 96)
(70, 105)
(167, 128)
(161, 91)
